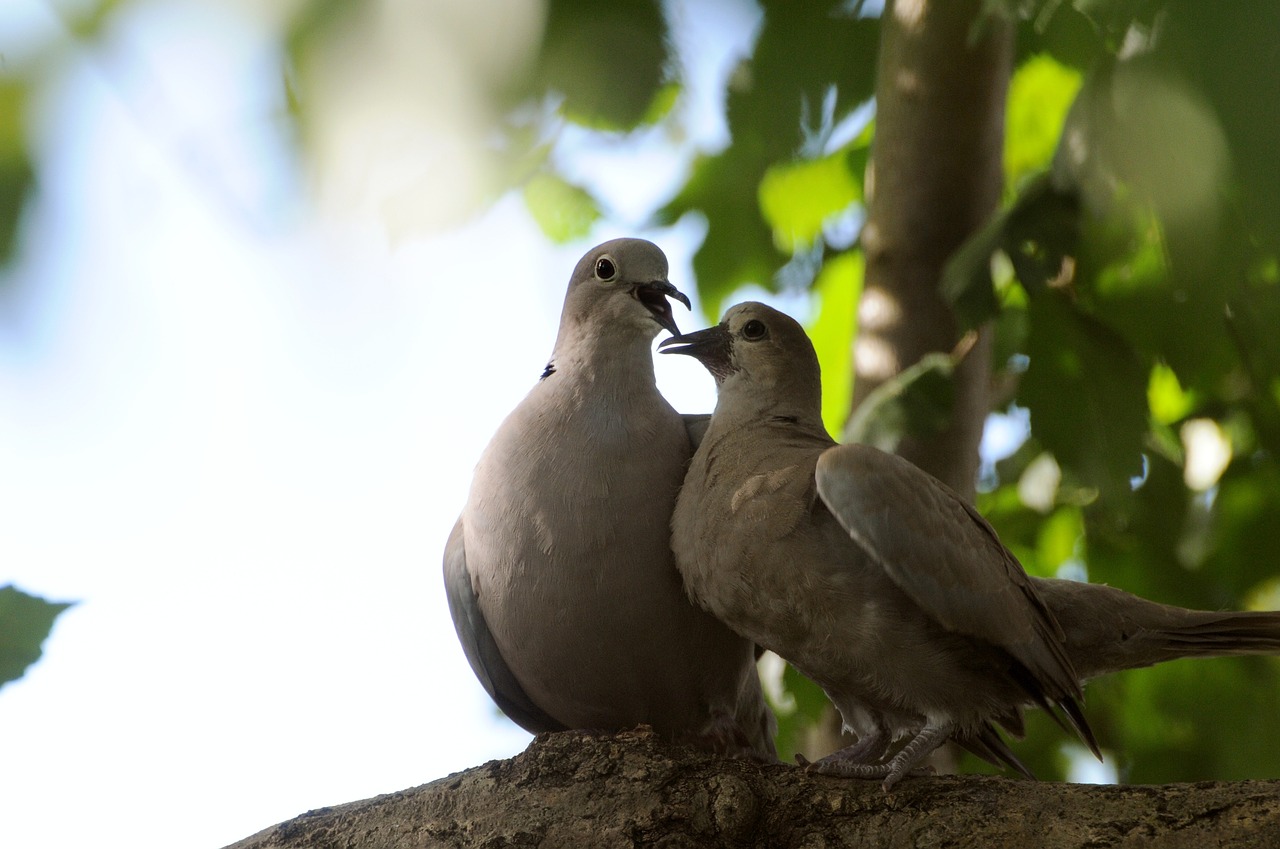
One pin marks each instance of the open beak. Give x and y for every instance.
(712, 347)
(654, 296)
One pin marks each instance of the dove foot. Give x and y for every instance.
(890, 773)
(851, 762)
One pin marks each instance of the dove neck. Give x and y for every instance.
(742, 401)
(618, 358)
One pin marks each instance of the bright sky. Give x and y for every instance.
(237, 432)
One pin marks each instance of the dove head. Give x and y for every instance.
(760, 358)
(621, 287)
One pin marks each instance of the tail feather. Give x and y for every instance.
(1068, 705)
(1108, 629)
(1225, 634)
(1076, 717)
(991, 747)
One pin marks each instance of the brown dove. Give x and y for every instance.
(882, 585)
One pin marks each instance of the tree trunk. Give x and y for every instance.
(577, 789)
(935, 176)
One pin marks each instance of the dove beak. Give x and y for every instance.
(653, 295)
(712, 347)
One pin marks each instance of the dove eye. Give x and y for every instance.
(605, 269)
(754, 331)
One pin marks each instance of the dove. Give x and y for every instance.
(559, 573)
(882, 585)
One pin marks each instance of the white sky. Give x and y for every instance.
(237, 433)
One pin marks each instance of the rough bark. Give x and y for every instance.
(935, 176)
(628, 790)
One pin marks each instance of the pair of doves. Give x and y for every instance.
(617, 564)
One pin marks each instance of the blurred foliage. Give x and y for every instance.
(1145, 255)
(800, 705)
(16, 175)
(607, 61)
(798, 198)
(813, 65)
(833, 330)
(563, 211)
(915, 402)
(82, 22)
(1040, 93)
(25, 622)
(1133, 276)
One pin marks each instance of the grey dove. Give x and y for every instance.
(559, 572)
(882, 585)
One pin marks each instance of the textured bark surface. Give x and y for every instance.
(935, 176)
(628, 790)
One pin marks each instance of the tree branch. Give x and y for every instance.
(578, 789)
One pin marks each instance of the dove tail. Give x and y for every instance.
(987, 744)
(1222, 634)
(1108, 629)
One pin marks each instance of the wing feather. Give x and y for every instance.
(947, 558)
(480, 647)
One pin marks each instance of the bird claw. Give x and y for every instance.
(868, 750)
(888, 771)
(908, 760)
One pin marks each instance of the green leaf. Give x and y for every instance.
(1166, 398)
(838, 288)
(25, 622)
(1265, 595)
(1010, 343)
(17, 178)
(1040, 93)
(797, 198)
(1061, 539)
(607, 60)
(564, 211)
(663, 102)
(1086, 390)
(1140, 132)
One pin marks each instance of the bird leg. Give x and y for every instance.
(905, 762)
(869, 748)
